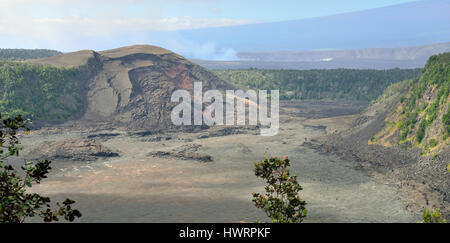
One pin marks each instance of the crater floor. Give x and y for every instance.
(141, 187)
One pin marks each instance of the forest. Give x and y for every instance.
(24, 54)
(38, 92)
(347, 84)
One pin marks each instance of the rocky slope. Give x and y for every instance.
(375, 140)
(132, 86)
(422, 117)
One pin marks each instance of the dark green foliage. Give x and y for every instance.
(420, 134)
(16, 204)
(436, 75)
(364, 85)
(23, 54)
(433, 143)
(282, 202)
(446, 122)
(403, 134)
(38, 92)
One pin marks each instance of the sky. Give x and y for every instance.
(69, 25)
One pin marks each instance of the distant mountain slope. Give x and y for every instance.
(347, 64)
(422, 116)
(129, 86)
(409, 24)
(412, 53)
(23, 54)
(373, 58)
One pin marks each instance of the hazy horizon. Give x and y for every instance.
(210, 29)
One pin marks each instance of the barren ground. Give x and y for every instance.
(168, 177)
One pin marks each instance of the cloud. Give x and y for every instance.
(64, 23)
(100, 26)
(205, 51)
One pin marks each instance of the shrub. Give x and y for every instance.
(433, 143)
(446, 121)
(435, 217)
(404, 134)
(421, 131)
(282, 202)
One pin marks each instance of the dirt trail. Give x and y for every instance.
(141, 187)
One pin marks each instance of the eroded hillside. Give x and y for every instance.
(129, 86)
(421, 118)
(403, 137)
